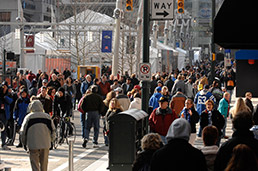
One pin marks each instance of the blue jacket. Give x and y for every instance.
(20, 109)
(200, 98)
(223, 107)
(8, 100)
(85, 85)
(154, 100)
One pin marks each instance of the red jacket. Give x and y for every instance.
(160, 121)
(105, 88)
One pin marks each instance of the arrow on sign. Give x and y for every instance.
(165, 13)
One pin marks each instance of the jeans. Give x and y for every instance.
(224, 128)
(92, 119)
(164, 140)
(83, 123)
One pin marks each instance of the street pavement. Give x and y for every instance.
(89, 159)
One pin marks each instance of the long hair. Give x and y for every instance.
(243, 158)
(117, 105)
(239, 106)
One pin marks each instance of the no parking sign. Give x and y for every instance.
(145, 71)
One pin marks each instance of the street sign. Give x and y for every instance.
(162, 9)
(145, 71)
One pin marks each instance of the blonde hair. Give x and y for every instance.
(239, 106)
(117, 105)
(151, 141)
(248, 94)
(108, 98)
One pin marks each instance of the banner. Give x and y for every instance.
(30, 43)
(106, 41)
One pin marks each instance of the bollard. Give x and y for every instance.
(70, 155)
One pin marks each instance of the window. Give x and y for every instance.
(5, 16)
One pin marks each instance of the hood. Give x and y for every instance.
(35, 106)
(157, 95)
(180, 128)
(210, 149)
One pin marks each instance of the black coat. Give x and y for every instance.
(217, 120)
(178, 154)
(143, 159)
(249, 103)
(225, 152)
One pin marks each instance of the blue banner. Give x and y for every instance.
(106, 41)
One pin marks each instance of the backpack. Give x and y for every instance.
(79, 108)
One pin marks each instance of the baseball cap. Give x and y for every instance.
(163, 99)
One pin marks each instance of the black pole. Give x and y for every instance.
(4, 65)
(213, 55)
(145, 57)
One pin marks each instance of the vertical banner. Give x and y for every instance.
(106, 41)
(30, 43)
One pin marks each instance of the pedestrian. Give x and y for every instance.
(78, 94)
(33, 90)
(86, 84)
(161, 118)
(165, 93)
(70, 88)
(127, 86)
(43, 84)
(5, 102)
(153, 84)
(154, 99)
(93, 106)
(106, 102)
(62, 108)
(209, 137)
(104, 86)
(178, 154)
(54, 82)
(239, 106)
(46, 101)
(113, 109)
(229, 81)
(66, 73)
(223, 108)
(179, 83)
(201, 97)
(212, 116)
(242, 122)
(178, 101)
(115, 84)
(189, 88)
(243, 158)
(169, 83)
(137, 102)
(190, 114)
(216, 92)
(37, 133)
(248, 101)
(20, 110)
(150, 143)
(123, 99)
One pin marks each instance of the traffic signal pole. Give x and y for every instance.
(213, 62)
(145, 52)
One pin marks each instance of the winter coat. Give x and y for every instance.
(178, 154)
(178, 84)
(216, 118)
(223, 107)
(124, 101)
(38, 130)
(169, 83)
(92, 102)
(189, 90)
(143, 160)
(108, 115)
(62, 105)
(85, 85)
(105, 88)
(136, 103)
(7, 102)
(20, 109)
(178, 102)
(210, 153)
(160, 120)
(191, 119)
(249, 103)
(200, 99)
(225, 152)
(56, 84)
(125, 89)
(154, 100)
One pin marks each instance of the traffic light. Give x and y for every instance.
(129, 5)
(180, 6)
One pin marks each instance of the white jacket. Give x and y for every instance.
(136, 103)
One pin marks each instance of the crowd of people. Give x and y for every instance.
(178, 101)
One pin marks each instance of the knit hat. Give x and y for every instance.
(180, 128)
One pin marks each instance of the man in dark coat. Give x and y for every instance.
(178, 154)
(242, 122)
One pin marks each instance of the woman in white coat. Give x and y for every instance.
(137, 102)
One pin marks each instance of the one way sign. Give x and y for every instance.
(162, 9)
